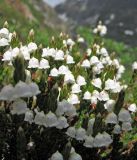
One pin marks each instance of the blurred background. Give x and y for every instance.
(50, 17)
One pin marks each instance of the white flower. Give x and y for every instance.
(99, 140)
(100, 29)
(19, 107)
(96, 70)
(81, 80)
(29, 116)
(56, 156)
(94, 60)
(93, 100)
(113, 86)
(117, 129)
(22, 90)
(71, 132)
(107, 139)
(115, 63)
(15, 52)
(80, 40)
(109, 105)
(87, 95)
(86, 63)
(89, 142)
(89, 51)
(70, 110)
(132, 107)
(63, 70)
(34, 89)
(54, 72)
(121, 69)
(73, 99)
(51, 119)
(25, 52)
(4, 33)
(97, 83)
(70, 59)
(62, 123)
(7, 93)
(124, 116)
(3, 42)
(126, 126)
(69, 78)
(95, 93)
(134, 66)
(40, 118)
(75, 156)
(59, 55)
(28, 76)
(75, 88)
(103, 52)
(61, 108)
(111, 118)
(33, 63)
(32, 47)
(7, 56)
(44, 64)
(70, 42)
(80, 134)
(103, 96)
(48, 52)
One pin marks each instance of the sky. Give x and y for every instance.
(53, 3)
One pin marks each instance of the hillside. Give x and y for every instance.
(121, 25)
(27, 14)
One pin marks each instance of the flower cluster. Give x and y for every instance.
(57, 88)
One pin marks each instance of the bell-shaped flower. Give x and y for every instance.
(15, 51)
(40, 118)
(81, 81)
(63, 70)
(51, 119)
(29, 116)
(107, 138)
(7, 56)
(70, 42)
(34, 89)
(69, 78)
(59, 55)
(70, 110)
(54, 72)
(33, 63)
(70, 60)
(85, 64)
(134, 66)
(80, 134)
(22, 90)
(126, 126)
(32, 47)
(80, 40)
(96, 70)
(75, 156)
(94, 100)
(132, 107)
(75, 88)
(44, 64)
(49, 52)
(99, 140)
(4, 33)
(94, 60)
(103, 96)
(89, 142)
(73, 99)
(3, 42)
(19, 107)
(7, 93)
(117, 129)
(62, 123)
(115, 63)
(97, 83)
(103, 52)
(25, 52)
(56, 156)
(124, 115)
(90, 126)
(89, 51)
(109, 105)
(111, 118)
(71, 132)
(60, 108)
(87, 95)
